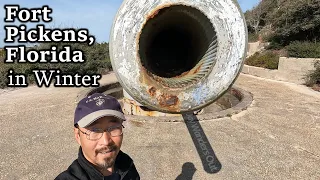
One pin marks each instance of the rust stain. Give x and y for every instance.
(142, 111)
(152, 91)
(144, 78)
(181, 75)
(151, 113)
(197, 69)
(157, 9)
(169, 101)
(191, 72)
(153, 14)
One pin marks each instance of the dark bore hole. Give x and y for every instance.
(174, 40)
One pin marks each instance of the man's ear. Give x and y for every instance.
(77, 135)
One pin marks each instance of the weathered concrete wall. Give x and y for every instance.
(289, 69)
(253, 48)
(260, 72)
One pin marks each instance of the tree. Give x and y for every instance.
(258, 16)
(297, 20)
(289, 19)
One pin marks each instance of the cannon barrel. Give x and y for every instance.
(177, 56)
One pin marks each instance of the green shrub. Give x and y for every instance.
(96, 56)
(303, 49)
(2, 53)
(3, 73)
(274, 46)
(252, 37)
(314, 76)
(267, 59)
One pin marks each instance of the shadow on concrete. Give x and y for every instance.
(210, 162)
(187, 171)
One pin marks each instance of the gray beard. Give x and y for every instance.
(108, 163)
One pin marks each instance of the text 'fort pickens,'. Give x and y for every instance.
(16, 32)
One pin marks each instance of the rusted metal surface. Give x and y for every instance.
(169, 101)
(229, 25)
(154, 13)
(152, 91)
(208, 59)
(131, 107)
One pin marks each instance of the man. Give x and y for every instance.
(98, 130)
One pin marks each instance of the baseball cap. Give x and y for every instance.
(95, 106)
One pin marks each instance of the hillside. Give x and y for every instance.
(284, 21)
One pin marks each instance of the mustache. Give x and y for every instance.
(110, 148)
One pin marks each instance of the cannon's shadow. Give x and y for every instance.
(210, 162)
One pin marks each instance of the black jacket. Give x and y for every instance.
(82, 169)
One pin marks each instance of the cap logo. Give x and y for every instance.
(99, 102)
(93, 107)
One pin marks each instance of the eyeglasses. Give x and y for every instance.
(96, 133)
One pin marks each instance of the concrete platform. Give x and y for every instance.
(277, 137)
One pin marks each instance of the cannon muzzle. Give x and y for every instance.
(178, 55)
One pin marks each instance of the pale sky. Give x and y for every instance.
(95, 15)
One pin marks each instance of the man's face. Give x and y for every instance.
(102, 152)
